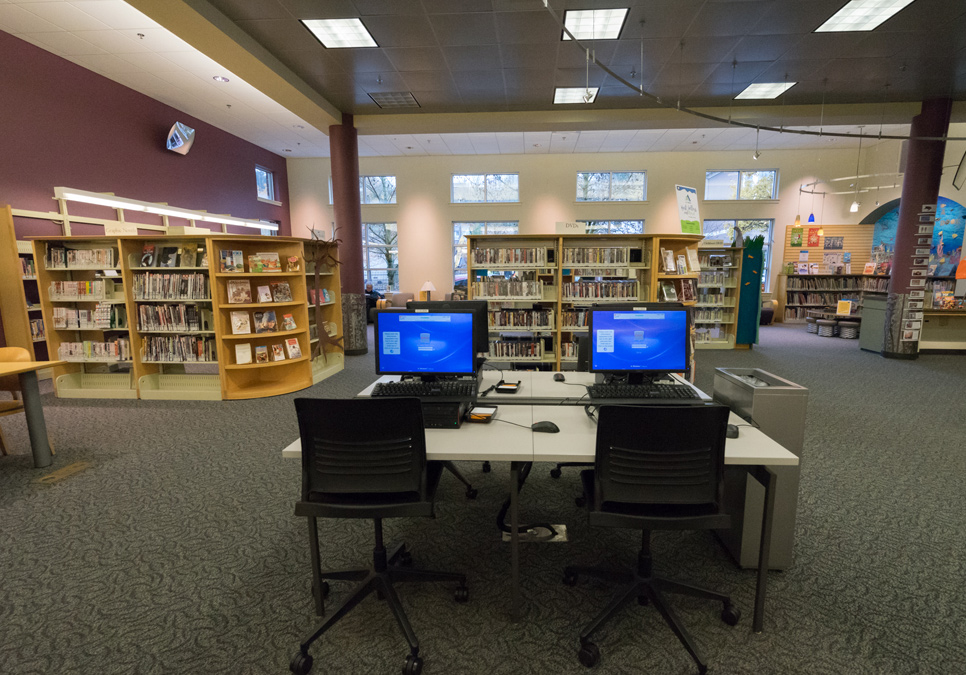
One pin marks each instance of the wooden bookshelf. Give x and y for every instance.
(719, 286)
(19, 302)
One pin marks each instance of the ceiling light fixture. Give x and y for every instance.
(594, 24)
(340, 33)
(220, 78)
(862, 15)
(562, 95)
(757, 152)
(762, 90)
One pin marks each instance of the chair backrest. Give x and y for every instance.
(660, 455)
(361, 446)
(8, 355)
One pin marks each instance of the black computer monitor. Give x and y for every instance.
(481, 334)
(427, 344)
(640, 340)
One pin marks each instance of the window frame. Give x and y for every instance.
(738, 198)
(766, 249)
(456, 247)
(610, 188)
(486, 177)
(392, 273)
(362, 192)
(610, 225)
(270, 175)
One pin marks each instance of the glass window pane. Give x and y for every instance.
(720, 229)
(758, 184)
(754, 228)
(381, 234)
(264, 183)
(459, 258)
(468, 188)
(721, 185)
(460, 230)
(593, 186)
(502, 228)
(379, 189)
(627, 186)
(503, 187)
(382, 256)
(598, 226)
(384, 280)
(627, 227)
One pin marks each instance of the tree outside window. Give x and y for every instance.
(381, 256)
(490, 187)
(612, 186)
(614, 226)
(264, 183)
(725, 230)
(750, 185)
(460, 232)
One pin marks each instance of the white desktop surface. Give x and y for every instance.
(543, 385)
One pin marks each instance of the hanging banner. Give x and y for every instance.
(688, 209)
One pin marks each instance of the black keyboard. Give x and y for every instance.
(666, 391)
(446, 388)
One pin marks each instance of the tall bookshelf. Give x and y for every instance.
(715, 312)
(325, 290)
(539, 287)
(150, 317)
(19, 306)
(800, 293)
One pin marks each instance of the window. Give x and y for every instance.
(380, 256)
(725, 229)
(612, 186)
(372, 190)
(460, 230)
(490, 187)
(752, 184)
(614, 226)
(265, 183)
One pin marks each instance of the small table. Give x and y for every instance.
(32, 406)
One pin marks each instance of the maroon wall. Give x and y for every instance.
(67, 126)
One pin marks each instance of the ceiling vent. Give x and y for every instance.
(394, 99)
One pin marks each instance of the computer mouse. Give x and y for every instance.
(558, 377)
(545, 427)
(732, 431)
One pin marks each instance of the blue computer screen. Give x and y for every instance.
(626, 341)
(434, 343)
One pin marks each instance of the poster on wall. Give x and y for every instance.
(688, 209)
(813, 238)
(834, 242)
(797, 236)
(947, 238)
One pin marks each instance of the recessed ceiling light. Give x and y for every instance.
(862, 15)
(766, 89)
(220, 78)
(594, 24)
(340, 33)
(394, 99)
(575, 95)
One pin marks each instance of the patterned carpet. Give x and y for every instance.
(176, 551)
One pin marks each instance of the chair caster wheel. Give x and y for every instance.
(405, 559)
(486, 467)
(580, 501)
(301, 663)
(325, 589)
(570, 577)
(471, 493)
(589, 654)
(462, 594)
(555, 473)
(643, 600)
(413, 666)
(730, 614)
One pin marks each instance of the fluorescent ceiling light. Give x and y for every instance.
(594, 24)
(340, 33)
(574, 94)
(766, 90)
(862, 15)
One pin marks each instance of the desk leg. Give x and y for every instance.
(769, 480)
(515, 468)
(34, 412)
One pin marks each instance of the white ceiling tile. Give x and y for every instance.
(536, 142)
(563, 142)
(485, 144)
(62, 42)
(161, 40)
(151, 62)
(195, 62)
(671, 139)
(433, 144)
(104, 63)
(616, 141)
(115, 13)
(16, 20)
(113, 41)
(590, 141)
(459, 144)
(66, 15)
(511, 143)
(643, 140)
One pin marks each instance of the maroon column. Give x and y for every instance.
(920, 186)
(344, 152)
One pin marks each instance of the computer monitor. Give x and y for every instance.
(638, 341)
(427, 344)
(481, 334)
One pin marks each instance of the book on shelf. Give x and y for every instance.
(264, 294)
(293, 349)
(668, 294)
(203, 257)
(801, 268)
(147, 255)
(843, 307)
(281, 291)
(682, 264)
(688, 290)
(240, 323)
(255, 263)
(265, 322)
(239, 291)
(667, 258)
(188, 255)
(243, 353)
(813, 268)
(168, 257)
(326, 295)
(693, 262)
(261, 354)
(278, 352)
(270, 262)
(288, 322)
(231, 261)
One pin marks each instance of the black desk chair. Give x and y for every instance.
(656, 468)
(366, 458)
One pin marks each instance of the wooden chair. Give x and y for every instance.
(11, 383)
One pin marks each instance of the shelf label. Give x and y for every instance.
(570, 228)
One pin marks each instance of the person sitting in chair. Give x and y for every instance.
(371, 296)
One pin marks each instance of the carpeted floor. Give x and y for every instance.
(176, 551)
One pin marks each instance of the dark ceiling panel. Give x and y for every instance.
(400, 30)
(924, 17)
(454, 6)
(464, 29)
(742, 73)
(790, 18)
(379, 7)
(727, 18)
(313, 9)
(360, 60)
(528, 56)
(481, 80)
(429, 80)
(762, 47)
(527, 79)
(656, 50)
(526, 27)
(280, 34)
(662, 19)
(242, 10)
(706, 49)
(415, 58)
(473, 57)
(570, 55)
(389, 82)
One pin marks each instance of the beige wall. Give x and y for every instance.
(547, 194)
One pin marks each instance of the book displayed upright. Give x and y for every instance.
(264, 294)
(240, 323)
(293, 349)
(243, 354)
(239, 291)
(281, 291)
(265, 322)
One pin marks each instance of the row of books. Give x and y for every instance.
(685, 263)
(106, 316)
(37, 331)
(28, 268)
(59, 257)
(277, 351)
(689, 291)
(500, 349)
(240, 292)
(112, 350)
(98, 289)
(324, 295)
(598, 272)
(717, 278)
(508, 288)
(509, 256)
(823, 284)
(186, 255)
(818, 299)
(716, 260)
(171, 286)
(714, 314)
(592, 256)
(179, 317)
(265, 322)
(178, 349)
(568, 350)
(526, 319)
(583, 290)
(706, 296)
(574, 318)
(263, 263)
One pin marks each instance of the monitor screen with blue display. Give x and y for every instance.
(425, 343)
(646, 342)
